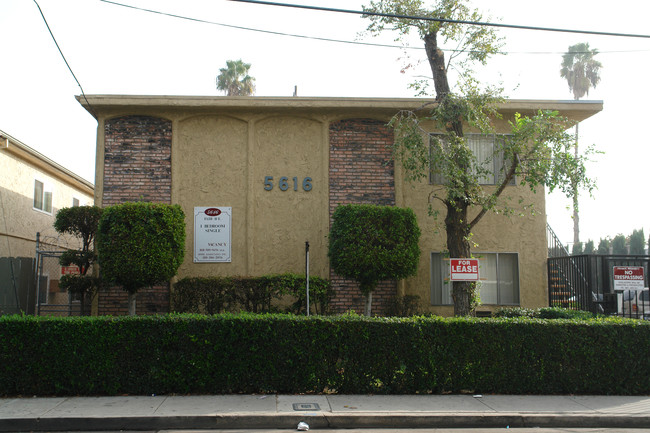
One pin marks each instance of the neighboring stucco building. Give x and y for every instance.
(278, 167)
(32, 189)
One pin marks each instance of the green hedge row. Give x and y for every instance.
(344, 354)
(212, 295)
(544, 313)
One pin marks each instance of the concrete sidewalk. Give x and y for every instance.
(320, 412)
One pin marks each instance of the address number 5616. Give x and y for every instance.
(284, 183)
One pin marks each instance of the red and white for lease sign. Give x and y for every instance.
(628, 278)
(463, 269)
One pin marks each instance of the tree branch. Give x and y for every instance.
(497, 193)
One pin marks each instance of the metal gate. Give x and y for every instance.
(16, 285)
(586, 282)
(50, 298)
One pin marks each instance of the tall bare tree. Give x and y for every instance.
(582, 72)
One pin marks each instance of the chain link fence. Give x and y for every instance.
(51, 299)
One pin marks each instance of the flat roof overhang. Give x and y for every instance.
(108, 105)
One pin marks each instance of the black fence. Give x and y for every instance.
(17, 285)
(587, 282)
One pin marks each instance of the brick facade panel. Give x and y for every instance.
(361, 171)
(137, 167)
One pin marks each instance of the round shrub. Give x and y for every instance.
(140, 244)
(374, 243)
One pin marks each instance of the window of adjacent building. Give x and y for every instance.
(499, 274)
(487, 148)
(42, 196)
(75, 202)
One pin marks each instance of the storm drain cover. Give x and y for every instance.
(306, 406)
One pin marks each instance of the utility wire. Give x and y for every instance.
(198, 20)
(442, 20)
(64, 59)
(342, 41)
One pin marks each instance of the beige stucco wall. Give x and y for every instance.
(523, 232)
(525, 235)
(222, 149)
(19, 220)
(222, 161)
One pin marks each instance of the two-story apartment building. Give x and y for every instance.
(32, 189)
(272, 170)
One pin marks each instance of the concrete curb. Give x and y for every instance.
(325, 421)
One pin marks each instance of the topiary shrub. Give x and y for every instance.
(140, 245)
(81, 222)
(369, 243)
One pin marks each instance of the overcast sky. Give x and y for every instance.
(118, 50)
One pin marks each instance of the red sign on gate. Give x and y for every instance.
(463, 269)
(628, 278)
(69, 270)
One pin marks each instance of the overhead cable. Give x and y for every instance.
(342, 41)
(64, 59)
(442, 20)
(198, 20)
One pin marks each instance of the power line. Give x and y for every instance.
(442, 20)
(341, 41)
(198, 20)
(64, 59)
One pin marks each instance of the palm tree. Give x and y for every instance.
(581, 71)
(234, 79)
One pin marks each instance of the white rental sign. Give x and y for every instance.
(212, 234)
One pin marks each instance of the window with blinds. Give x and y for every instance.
(487, 148)
(498, 273)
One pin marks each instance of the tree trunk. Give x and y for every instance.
(437, 63)
(132, 304)
(574, 186)
(456, 222)
(459, 247)
(368, 307)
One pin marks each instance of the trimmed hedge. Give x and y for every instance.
(370, 243)
(344, 354)
(544, 313)
(213, 295)
(140, 244)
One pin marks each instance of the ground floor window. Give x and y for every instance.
(499, 273)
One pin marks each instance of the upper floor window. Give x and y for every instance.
(42, 196)
(75, 202)
(488, 150)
